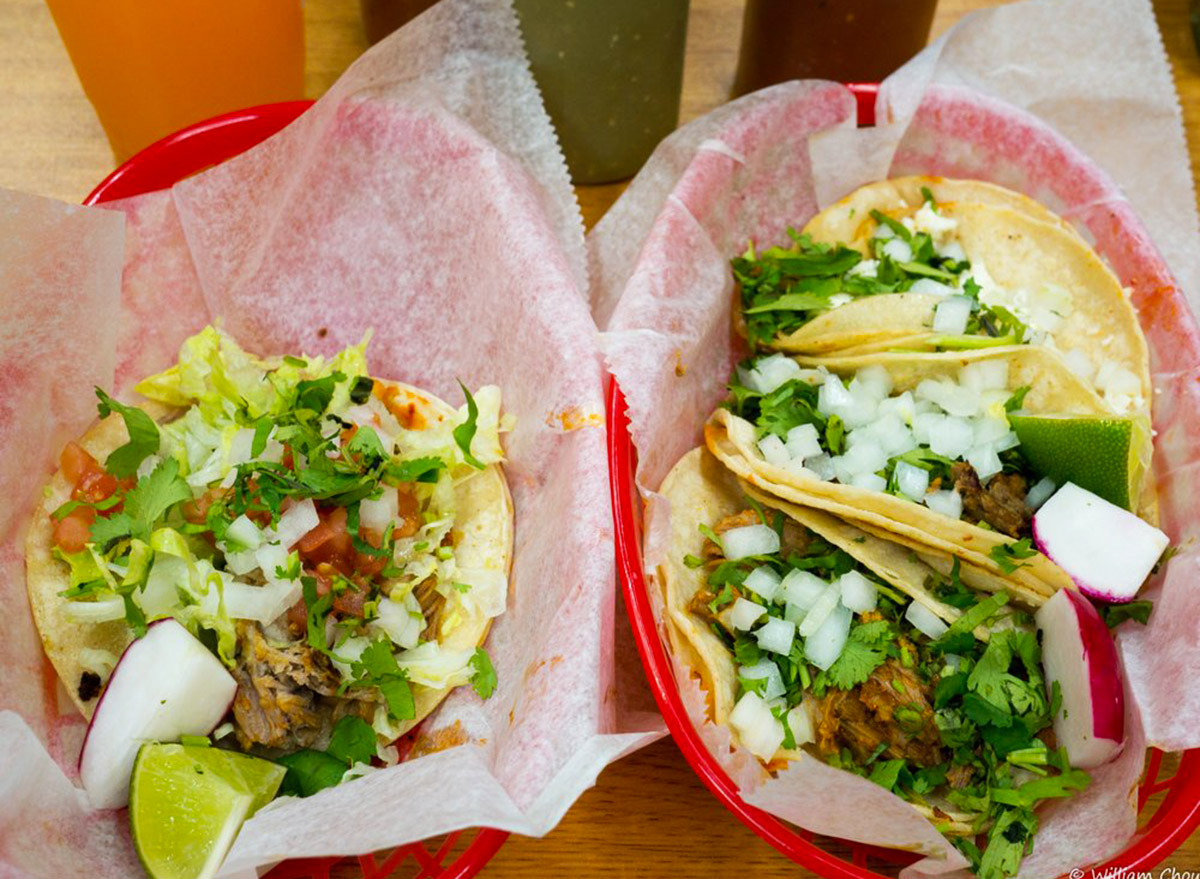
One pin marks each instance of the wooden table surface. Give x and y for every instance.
(648, 816)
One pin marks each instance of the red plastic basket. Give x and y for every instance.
(457, 855)
(1168, 797)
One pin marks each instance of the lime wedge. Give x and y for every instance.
(1106, 455)
(187, 803)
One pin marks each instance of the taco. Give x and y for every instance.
(813, 639)
(295, 514)
(921, 448)
(928, 264)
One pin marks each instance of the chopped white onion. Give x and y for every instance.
(296, 521)
(875, 380)
(951, 315)
(763, 582)
(376, 514)
(744, 614)
(858, 593)
(985, 461)
(951, 250)
(821, 609)
(951, 437)
(898, 249)
(774, 450)
(803, 441)
(243, 534)
(924, 425)
(930, 287)
(925, 621)
(1040, 493)
(756, 726)
(749, 540)
(947, 502)
(902, 406)
(821, 466)
(833, 396)
(954, 399)
(912, 481)
(765, 668)
(801, 724)
(801, 589)
(824, 646)
(776, 636)
(769, 373)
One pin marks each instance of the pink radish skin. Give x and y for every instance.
(1078, 652)
(165, 685)
(1107, 551)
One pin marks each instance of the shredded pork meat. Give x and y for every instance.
(286, 698)
(1001, 504)
(891, 708)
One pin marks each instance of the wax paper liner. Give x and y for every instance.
(424, 200)
(661, 285)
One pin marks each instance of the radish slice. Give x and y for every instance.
(1078, 653)
(165, 685)
(1108, 552)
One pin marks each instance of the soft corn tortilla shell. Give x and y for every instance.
(484, 529)
(700, 490)
(1053, 389)
(850, 219)
(1022, 246)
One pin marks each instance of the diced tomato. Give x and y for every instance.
(350, 602)
(94, 486)
(196, 511)
(364, 563)
(297, 617)
(288, 460)
(75, 461)
(329, 542)
(74, 530)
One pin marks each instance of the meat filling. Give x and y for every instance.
(1001, 504)
(285, 695)
(892, 708)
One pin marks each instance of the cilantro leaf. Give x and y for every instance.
(143, 442)
(959, 638)
(318, 609)
(465, 432)
(313, 395)
(415, 470)
(366, 445)
(484, 679)
(1013, 403)
(377, 667)
(106, 532)
(1003, 554)
(352, 741)
(154, 494)
(262, 430)
(1010, 837)
(361, 390)
(309, 771)
(862, 654)
(886, 773)
(1115, 614)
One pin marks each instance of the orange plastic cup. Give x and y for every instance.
(151, 68)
